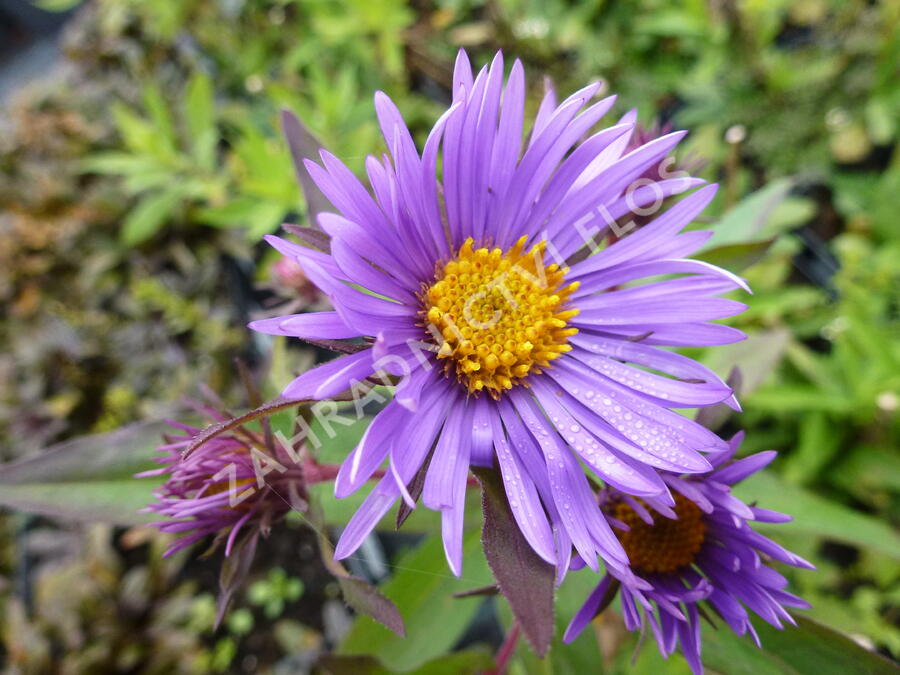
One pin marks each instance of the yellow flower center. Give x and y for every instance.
(498, 317)
(665, 546)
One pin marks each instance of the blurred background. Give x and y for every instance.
(141, 163)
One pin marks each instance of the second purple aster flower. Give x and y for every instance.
(510, 353)
(702, 552)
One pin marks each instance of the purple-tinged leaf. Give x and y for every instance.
(339, 346)
(108, 456)
(264, 410)
(304, 145)
(415, 491)
(525, 580)
(88, 479)
(714, 416)
(358, 594)
(366, 599)
(757, 357)
(309, 236)
(234, 572)
(483, 590)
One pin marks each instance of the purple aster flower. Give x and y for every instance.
(702, 550)
(227, 485)
(508, 356)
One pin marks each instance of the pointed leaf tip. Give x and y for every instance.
(368, 600)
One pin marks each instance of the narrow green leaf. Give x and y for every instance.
(148, 217)
(816, 516)
(808, 649)
(423, 590)
(137, 133)
(105, 501)
(118, 163)
(819, 443)
(111, 456)
(199, 111)
(737, 257)
(756, 357)
(56, 5)
(466, 662)
(88, 478)
(747, 222)
(160, 116)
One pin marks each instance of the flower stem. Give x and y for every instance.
(506, 650)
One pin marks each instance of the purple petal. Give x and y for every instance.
(689, 637)
(610, 155)
(632, 478)
(574, 498)
(742, 468)
(652, 428)
(484, 411)
(595, 281)
(661, 229)
(379, 501)
(315, 325)
(588, 610)
(674, 335)
(523, 498)
(452, 530)
(331, 378)
(663, 390)
(450, 463)
(371, 450)
(508, 142)
(609, 184)
(366, 275)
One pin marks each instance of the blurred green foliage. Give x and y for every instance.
(137, 180)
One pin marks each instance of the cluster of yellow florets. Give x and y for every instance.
(498, 317)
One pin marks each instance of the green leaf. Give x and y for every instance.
(466, 662)
(56, 5)
(199, 111)
(257, 216)
(808, 649)
(819, 443)
(118, 163)
(737, 257)
(423, 590)
(105, 501)
(137, 133)
(89, 478)
(160, 116)
(814, 515)
(148, 217)
(868, 473)
(749, 221)
(756, 357)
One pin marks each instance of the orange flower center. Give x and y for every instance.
(665, 546)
